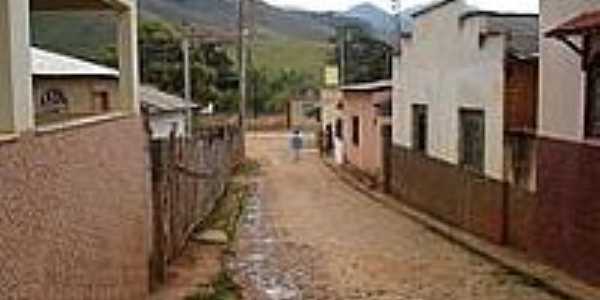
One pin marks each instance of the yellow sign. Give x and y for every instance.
(332, 75)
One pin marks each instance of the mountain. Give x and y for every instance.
(378, 18)
(383, 24)
(222, 14)
(286, 37)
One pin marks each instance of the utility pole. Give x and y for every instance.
(397, 9)
(343, 55)
(251, 16)
(243, 56)
(187, 76)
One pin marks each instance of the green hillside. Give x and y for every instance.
(286, 40)
(279, 52)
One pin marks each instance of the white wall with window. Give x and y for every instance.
(467, 74)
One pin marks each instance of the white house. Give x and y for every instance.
(466, 77)
(166, 112)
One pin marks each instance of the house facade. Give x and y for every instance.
(71, 87)
(566, 218)
(166, 113)
(331, 119)
(75, 192)
(301, 108)
(452, 110)
(367, 110)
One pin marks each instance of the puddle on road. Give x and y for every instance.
(257, 263)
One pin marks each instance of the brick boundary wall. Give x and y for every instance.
(566, 222)
(73, 213)
(558, 225)
(453, 195)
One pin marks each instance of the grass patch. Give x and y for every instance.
(223, 288)
(248, 168)
(227, 211)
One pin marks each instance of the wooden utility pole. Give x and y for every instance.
(397, 9)
(343, 55)
(187, 79)
(251, 16)
(243, 57)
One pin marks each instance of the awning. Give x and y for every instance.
(585, 24)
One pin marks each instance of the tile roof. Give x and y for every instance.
(430, 7)
(522, 31)
(53, 64)
(578, 25)
(162, 101)
(369, 86)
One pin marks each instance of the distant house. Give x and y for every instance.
(166, 113)
(64, 85)
(366, 113)
(466, 80)
(331, 120)
(301, 111)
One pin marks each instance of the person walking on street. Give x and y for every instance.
(296, 144)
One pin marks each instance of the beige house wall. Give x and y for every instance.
(444, 67)
(562, 86)
(79, 91)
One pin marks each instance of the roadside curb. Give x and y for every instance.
(550, 279)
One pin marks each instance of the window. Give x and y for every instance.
(356, 130)
(339, 129)
(53, 101)
(592, 126)
(101, 102)
(419, 138)
(472, 139)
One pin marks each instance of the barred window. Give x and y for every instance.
(472, 139)
(419, 135)
(356, 130)
(339, 129)
(53, 101)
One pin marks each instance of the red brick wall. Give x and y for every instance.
(74, 214)
(559, 224)
(565, 227)
(453, 195)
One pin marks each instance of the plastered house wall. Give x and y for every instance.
(444, 66)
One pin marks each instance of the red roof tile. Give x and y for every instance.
(584, 23)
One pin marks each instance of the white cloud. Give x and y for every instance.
(502, 5)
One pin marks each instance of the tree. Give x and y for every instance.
(161, 61)
(366, 58)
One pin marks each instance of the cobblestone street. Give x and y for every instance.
(307, 235)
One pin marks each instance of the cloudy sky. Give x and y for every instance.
(503, 5)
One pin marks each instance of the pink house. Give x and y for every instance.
(366, 116)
